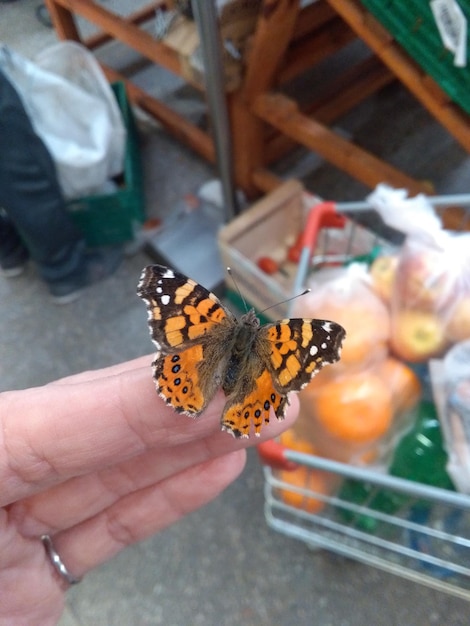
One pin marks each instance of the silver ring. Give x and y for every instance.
(57, 562)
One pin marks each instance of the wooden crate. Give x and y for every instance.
(266, 229)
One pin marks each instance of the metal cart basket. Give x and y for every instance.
(428, 540)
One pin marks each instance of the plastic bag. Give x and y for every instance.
(430, 294)
(457, 383)
(353, 410)
(73, 110)
(343, 296)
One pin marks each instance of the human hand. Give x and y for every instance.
(98, 461)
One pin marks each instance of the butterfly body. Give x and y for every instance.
(202, 346)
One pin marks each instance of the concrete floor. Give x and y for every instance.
(221, 566)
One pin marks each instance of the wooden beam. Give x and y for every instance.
(283, 113)
(311, 18)
(178, 126)
(308, 52)
(137, 17)
(343, 94)
(123, 30)
(269, 44)
(426, 90)
(63, 21)
(265, 180)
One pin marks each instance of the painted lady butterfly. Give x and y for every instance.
(201, 346)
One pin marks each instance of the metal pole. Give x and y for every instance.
(205, 14)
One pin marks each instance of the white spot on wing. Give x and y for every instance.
(313, 350)
(168, 274)
(165, 299)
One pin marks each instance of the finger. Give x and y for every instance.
(73, 501)
(145, 512)
(26, 597)
(56, 432)
(112, 370)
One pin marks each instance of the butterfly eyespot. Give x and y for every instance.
(266, 405)
(175, 369)
(175, 358)
(257, 413)
(273, 397)
(247, 414)
(177, 381)
(185, 389)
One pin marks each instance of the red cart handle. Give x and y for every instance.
(272, 453)
(321, 215)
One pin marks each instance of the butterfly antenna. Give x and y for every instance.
(271, 306)
(229, 271)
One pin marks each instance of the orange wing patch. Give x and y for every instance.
(177, 381)
(254, 408)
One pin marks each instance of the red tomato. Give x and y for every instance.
(268, 265)
(293, 254)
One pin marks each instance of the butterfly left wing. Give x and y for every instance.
(181, 313)
(299, 348)
(287, 355)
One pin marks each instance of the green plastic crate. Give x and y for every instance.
(412, 24)
(113, 218)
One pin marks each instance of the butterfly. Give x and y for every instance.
(202, 346)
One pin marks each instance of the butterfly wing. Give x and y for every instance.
(286, 356)
(181, 315)
(180, 310)
(299, 348)
(245, 409)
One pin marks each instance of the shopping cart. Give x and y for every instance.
(428, 540)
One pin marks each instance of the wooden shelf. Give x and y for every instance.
(265, 123)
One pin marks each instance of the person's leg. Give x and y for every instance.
(32, 199)
(13, 254)
(30, 192)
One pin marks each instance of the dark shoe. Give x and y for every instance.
(14, 264)
(99, 265)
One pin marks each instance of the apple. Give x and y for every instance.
(417, 335)
(423, 281)
(382, 273)
(458, 323)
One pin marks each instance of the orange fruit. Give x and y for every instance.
(358, 349)
(313, 480)
(355, 408)
(304, 477)
(367, 331)
(367, 326)
(290, 440)
(404, 385)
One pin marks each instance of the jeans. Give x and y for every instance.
(33, 218)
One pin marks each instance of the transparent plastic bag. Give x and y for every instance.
(73, 110)
(352, 410)
(455, 417)
(430, 294)
(343, 296)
